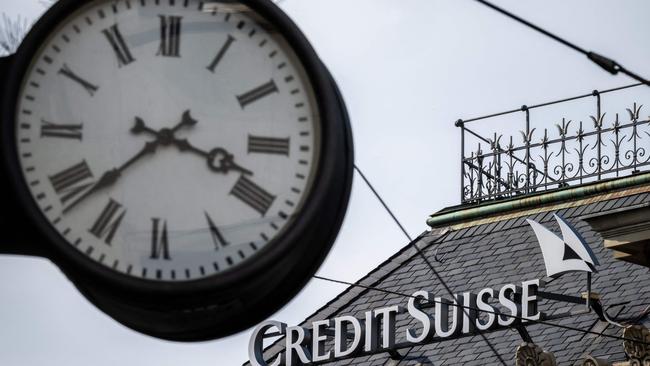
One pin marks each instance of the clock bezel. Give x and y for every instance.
(332, 175)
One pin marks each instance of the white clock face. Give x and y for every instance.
(167, 140)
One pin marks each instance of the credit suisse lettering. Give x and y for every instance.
(377, 330)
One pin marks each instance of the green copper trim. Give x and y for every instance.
(573, 193)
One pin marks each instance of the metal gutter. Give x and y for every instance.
(444, 219)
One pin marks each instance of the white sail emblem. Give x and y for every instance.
(567, 254)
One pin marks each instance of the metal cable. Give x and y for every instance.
(390, 212)
(448, 289)
(609, 65)
(542, 322)
(606, 63)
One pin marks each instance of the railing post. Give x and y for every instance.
(460, 124)
(634, 116)
(479, 174)
(524, 108)
(599, 126)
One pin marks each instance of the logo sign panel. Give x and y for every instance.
(569, 253)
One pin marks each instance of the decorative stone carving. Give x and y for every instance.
(637, 345)
(593, 361)
(529, 354)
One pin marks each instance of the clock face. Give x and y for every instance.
(167, 140)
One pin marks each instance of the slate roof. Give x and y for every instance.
(492, 254)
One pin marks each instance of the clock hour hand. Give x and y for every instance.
(219, 160)
(165, 135)
(111, 176)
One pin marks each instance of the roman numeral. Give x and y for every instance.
(268, 145)
(159, 240)
(72, 181)
(90, 88)
(108, 221)
(116, 40)
(257, 93)
(170, 36)
(217, 237)
(49, 129)
(252, 195)
(222, 52)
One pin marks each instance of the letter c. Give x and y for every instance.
(256, 343)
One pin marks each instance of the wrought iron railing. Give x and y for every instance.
(541, 159)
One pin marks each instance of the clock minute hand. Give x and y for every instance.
(111, 176)
(226, 162)
(218, 155)
(166, 136)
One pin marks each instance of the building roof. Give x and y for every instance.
(491, 252)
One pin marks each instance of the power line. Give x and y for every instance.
(611, 66)
(606, 63)
(390, 212)
(542, 322)
(448, 289)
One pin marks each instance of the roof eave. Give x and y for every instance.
(451, 216)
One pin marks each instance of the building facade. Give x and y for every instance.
(598, 318)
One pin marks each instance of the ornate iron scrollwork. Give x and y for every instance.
(637, 345)
(543, 159)
(530, 354)
(593, 361)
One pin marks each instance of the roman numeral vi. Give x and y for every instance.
(159, 240)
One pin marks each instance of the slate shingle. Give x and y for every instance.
(495, 254)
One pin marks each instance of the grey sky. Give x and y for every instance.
(407, 69)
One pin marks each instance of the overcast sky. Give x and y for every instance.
(408, 69)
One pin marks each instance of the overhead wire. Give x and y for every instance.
(448, 289)
(383, 203)
(608, 64)
(542, 322)
(604, 62)
(426, 260)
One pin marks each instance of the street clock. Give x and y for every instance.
(187, 164)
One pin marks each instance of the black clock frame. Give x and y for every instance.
(223, 303)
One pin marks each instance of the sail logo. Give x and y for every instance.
(569, 253)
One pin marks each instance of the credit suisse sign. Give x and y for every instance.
(376, 330)
(450, 318)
